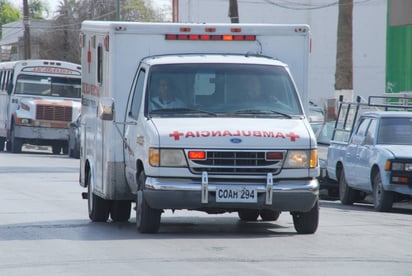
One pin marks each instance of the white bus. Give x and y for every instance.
(38, 100)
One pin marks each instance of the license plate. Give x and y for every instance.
(234, 193)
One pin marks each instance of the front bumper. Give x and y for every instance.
(295, 195)
(41, 133)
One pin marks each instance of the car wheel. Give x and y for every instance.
(98, 207)
(269, 215)
(307, 222)
(147, 218)
(347, 195)
(120, 210)
(333, 192)
(383, 200)
(248, 215)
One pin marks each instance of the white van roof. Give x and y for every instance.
(212, 58)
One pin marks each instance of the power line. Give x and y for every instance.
(285, 4)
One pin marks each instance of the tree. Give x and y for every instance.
(38, 9)
(233, 11)
(8, 14)
(138, 10)
(62, 43)
(344, 56)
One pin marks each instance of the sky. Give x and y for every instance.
(53, 4)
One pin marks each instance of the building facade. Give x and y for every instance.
(369, 36)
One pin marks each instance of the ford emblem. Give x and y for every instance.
(236, 140)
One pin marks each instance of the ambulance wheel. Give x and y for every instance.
(307, 222)
(147, 218)
(120, 210)
(98, 207)
(16, 143)
(248, 215)
(269, 215)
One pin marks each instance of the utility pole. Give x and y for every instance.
(27, 44)
(118, 10)
(233, 11)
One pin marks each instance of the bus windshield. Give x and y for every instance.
(48, 86)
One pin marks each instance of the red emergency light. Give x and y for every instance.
(197, 155)
(213, 37)
(203, 37)
(274, 156)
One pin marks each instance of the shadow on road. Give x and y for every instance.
(181, 227)
(367, 206)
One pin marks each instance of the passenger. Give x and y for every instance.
(254, 89)
(164, 97)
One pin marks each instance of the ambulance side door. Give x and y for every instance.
(131, 129)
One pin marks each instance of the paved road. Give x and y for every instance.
(44, 230)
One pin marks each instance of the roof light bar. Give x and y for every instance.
(225, 37)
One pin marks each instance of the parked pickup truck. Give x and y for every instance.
(373, 154)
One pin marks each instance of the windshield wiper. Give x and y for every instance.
(182, 111)
(258, 112)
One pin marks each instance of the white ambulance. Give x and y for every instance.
(202, 117)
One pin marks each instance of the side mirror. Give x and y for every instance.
(106, 109)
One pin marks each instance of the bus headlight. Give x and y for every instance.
(23, 121)
(167, 158)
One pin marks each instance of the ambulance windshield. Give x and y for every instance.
(221, 90)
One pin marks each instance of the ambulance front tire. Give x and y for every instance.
(98, 207)
(147, 218)
(306, 222)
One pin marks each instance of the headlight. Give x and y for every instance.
(23, 121)
(398, 166)
(167, 158)
(304, 159)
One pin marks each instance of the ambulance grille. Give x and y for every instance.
(54, 113)
(235, 162)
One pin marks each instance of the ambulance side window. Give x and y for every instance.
(100, 64)
(137, 95)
